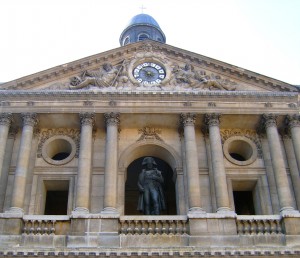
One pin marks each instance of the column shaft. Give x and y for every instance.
(283, 188)
(192, 167)
(217, 159)
(5, 122)
(111, 166)
(19, 187)
(294, 126)
(83, 187)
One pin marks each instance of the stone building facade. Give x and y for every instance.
(73, 138)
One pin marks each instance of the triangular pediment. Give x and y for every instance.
(148, 65)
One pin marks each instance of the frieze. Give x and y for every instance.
(248, 133)
(45, 134)
(149, 133)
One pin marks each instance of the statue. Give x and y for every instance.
(151, 200)
(104, 77)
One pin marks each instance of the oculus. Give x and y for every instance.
(59, 150)
(240, 150)
(149, 73)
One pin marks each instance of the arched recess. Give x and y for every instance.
(153, 148)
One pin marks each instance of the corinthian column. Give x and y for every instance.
(294, 126)
(19, 187)
(219, 174)
(84, 163)
(283, 188)
(111, 166)
(5, 122)
(192, 167)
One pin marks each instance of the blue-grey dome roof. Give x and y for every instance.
(140, 27)
(143, 19)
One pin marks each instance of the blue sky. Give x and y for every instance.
(262, 36)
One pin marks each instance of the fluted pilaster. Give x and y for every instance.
(269, 122)
(19, 187)
(111, 166)
(5, 123)
(212, 121)
(194, 194)
(83, 187)
(293, 122)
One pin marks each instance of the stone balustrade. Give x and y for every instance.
(45, 225)
(258, 225)
(153, 225)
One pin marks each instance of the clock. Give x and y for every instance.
(149, 73)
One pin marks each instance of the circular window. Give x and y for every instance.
(59, 150)
(240, 150)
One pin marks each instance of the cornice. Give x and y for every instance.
(118, 54)
(63, 95)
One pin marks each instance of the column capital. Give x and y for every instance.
(87, 118)
(112, 118)
(187, 119)
(212, 119)
(292, 121)
(269, 120)
(6, 119)
(29, 119)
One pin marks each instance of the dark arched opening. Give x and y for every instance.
(132, 192)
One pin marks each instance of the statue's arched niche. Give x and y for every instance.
(166, 157)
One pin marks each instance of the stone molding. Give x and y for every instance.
(162, 252)
(6, 119)
(112, 118)
(52, 95)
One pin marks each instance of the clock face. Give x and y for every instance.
(149, 73)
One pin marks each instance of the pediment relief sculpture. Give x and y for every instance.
(149, 72)
(188, 77)
(105, 76)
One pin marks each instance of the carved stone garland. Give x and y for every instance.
(149, 133)
(250, 134)
(48, 133)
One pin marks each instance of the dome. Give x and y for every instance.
(143, 19)
(141, 27)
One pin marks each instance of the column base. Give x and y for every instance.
(194, 211)
(80, 210)
(110, 211)
(226, 211)
(15, 212)
(288, 211)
